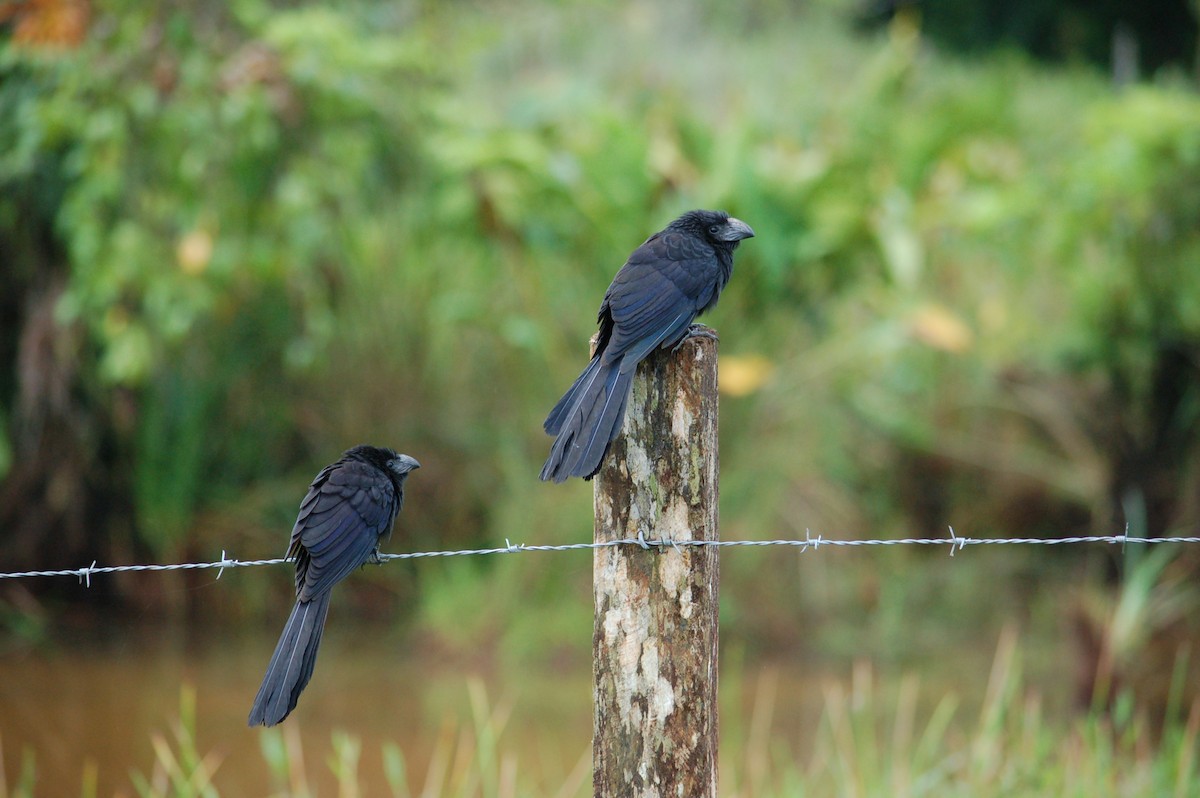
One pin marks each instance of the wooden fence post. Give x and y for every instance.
(655, 636)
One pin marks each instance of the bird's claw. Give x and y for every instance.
(697, 331)
(375, 558)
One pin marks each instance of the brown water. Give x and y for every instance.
(94, 701)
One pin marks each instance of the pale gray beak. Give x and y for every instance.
(402, 464)
(736, 230)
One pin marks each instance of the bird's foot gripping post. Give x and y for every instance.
(697, 331)
(655, 635)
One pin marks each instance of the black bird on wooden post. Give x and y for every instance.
(349, 509)
(676, 275)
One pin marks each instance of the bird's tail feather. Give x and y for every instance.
(588, 423)
(554, 421)
(292, 663)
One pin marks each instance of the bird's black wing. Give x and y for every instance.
(349, 506)
(657, 294)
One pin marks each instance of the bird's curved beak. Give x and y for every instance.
(402, 464)
(736, 230)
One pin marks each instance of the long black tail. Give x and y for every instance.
(587, 419)
(292, 663)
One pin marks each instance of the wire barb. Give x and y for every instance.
(808, 541)
(225, 562)
(956, 541)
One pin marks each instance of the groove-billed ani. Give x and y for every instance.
(676, 275)
(349, 509)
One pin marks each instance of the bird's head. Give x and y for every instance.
(383, 459)
(402, 464)
(718, 227)
(395, 465)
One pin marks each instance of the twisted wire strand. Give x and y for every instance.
(955, 542)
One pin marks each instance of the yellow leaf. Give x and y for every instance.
(194, 252)
(47, 23)
(938, 326)
(743, 375)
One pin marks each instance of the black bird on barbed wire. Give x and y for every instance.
(668, 281)
(349, 509)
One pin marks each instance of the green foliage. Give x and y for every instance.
(26, 780)
(5, 449)
(1152, 35)
(211, 170)
(869, 739)
(971, 300)
(1017, 309)
(470, 758)
(877, 741)
(1130, 234)
(289, 231)
(203, 179)
(180, 769)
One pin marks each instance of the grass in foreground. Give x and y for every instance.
(871, 745)
(871, 739)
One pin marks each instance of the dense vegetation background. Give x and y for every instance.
(238, 238)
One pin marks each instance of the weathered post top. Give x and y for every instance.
(655, 635)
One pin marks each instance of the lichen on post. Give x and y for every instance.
(655, 634)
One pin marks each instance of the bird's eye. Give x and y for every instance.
(714, 228)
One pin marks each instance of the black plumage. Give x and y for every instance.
(668, 281)
(349, 509)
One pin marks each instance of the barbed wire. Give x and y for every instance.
(955, 542)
